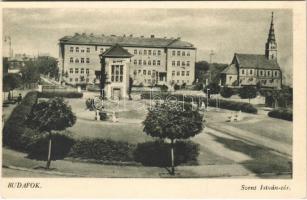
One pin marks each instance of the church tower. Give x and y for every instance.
(271, 46)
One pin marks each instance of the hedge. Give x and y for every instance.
(281, 114)
(224, 104)
(14, 127)
(47, 94)
(102, 150)
(157, 153)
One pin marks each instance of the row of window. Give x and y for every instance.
(147, 52)
(261, 72)
(149, 62)
(180, 53)
(82, 60)
(262, 81)
(77, 49)
(183, 73)
(182, 81)
(71, 70)
(183, 64)
(81, 79)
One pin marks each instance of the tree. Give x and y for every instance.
(10, 83)
(51, 115)
(172, 121)
(214, 88)
(30, 73)
(130, 87)
(48, 66)
(226, 92)
(247, 92)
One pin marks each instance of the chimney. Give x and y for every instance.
(152, 36)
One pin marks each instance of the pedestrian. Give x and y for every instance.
(19, 98)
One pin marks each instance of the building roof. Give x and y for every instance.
(117, 51)
(256, 61)
(125, 41)
(231, 69)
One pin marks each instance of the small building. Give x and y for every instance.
(262, 70)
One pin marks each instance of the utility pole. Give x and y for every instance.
(211, 58)
(9, 40)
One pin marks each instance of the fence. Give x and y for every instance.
(57, 88)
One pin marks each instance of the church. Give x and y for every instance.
(255, 69)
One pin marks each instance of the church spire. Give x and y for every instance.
(271, 46)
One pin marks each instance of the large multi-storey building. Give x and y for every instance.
(255, 69)
(154, 61)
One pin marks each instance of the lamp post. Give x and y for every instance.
(102, 75)
(208, 90)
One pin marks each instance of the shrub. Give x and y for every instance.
(45, 94)
(15, 126)
(198, 86)
(226, 92)
(157, 153)
(61, 145)
(102, 150)
(281, 114)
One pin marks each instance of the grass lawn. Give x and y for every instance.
(277, 129)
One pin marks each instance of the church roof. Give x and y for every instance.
(117, 51)
(126, 41)
(256, 61)
(230, 69)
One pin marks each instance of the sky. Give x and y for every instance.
(225, 31)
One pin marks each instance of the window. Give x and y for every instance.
(71, 60)
(117, 73)
(153, 62)
(251, 71)
(178, 53)
(135, 72)
(76, 70)
(173, 53)
(139, 71)
(182, 73)
(101, 50)
(230, 77)
(135, 62)
(178, 63)
(82, 50)
(70, 80)
(76, 79)
(188, 73)
(87, 80)
(82, 60)
(269, 73)
(77, 49)
(140, 52)
(276, 73)
(149, 62)
(261, 73)
(88, 50)
(149, 73)
(149, 52)
(183, 53)
(188, 63)
(173, 73)
(173, 63)
(77, 60)
(159, 52)
(177, 81)
(144, 62)
(87, 60)
(71, 49)
(183, 63)
(71, 70)
(158, 62)
(87, 71)
(188, 53)
(145, 52)
(135, 51)
(82, 70)
(178, 73)
(140, 62)
(242, 71)
(154, 52)
(144, 72)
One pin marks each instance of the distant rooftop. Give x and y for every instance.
(256, 61)
(126, 41)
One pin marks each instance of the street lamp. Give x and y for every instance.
(208, 90)
(102, 75)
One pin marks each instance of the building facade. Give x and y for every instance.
(255, 69)
(154, 61)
